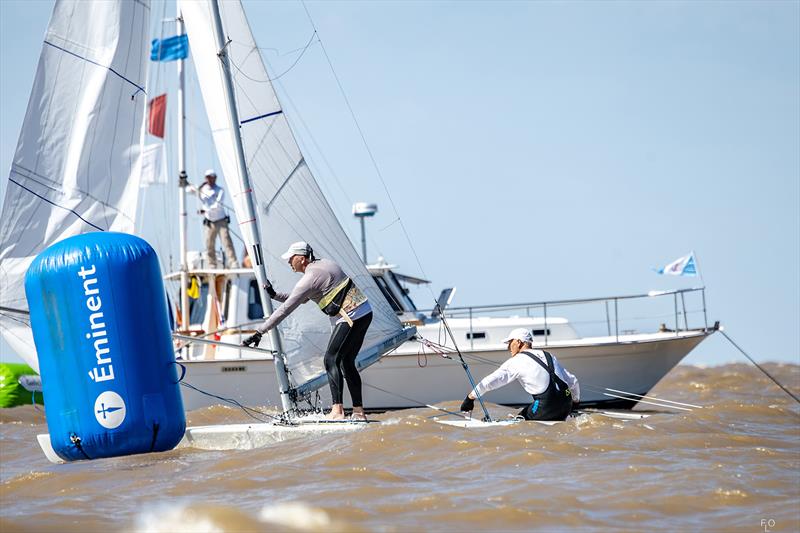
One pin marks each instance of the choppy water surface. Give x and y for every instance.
(732, 465)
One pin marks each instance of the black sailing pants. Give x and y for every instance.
(340, 359)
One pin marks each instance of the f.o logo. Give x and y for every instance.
(109, 409)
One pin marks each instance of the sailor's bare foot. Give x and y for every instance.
(337, 412)
(358, 414)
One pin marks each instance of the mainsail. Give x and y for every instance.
(290, 204)
(78, 145)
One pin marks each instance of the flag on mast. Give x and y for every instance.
(683, 266)
(157, 112)
(170, 49)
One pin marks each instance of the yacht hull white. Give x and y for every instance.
(405, 379)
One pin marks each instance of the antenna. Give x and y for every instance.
(362, 210)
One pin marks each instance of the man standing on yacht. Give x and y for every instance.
(215, 219)
(336, 295)
(554, 389)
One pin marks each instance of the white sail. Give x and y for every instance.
(290, 205)
(78, 145)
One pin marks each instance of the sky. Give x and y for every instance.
(540, 150)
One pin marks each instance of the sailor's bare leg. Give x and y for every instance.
(337, 412)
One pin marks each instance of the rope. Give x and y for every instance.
(412, 400)
(787, 391)
(247, 410)
(279, 76)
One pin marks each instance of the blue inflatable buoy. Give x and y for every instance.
(101, 328)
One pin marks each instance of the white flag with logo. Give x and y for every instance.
(683, 266)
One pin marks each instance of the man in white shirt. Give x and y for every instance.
(215, 220)
(554, 389)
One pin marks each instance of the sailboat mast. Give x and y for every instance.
(250, 224)
(182, 183)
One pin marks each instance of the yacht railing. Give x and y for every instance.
(678, 315)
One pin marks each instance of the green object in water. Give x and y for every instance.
(12, 393)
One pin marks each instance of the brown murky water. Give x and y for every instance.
(732, 465)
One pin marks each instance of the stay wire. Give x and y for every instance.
(366, 144)
(464, 364)
(787, 391)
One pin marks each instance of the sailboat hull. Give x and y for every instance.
(405, 379)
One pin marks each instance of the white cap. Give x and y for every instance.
(521, 334)
(210, 172)
(297, 248)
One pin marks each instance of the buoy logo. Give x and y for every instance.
(109, 409)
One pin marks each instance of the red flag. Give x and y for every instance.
(158, 111)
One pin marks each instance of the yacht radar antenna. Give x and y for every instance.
(362, 210)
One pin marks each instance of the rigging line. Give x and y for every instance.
(487, 418)
(647, 402)
(32, 175)
(366, 145)
(310, 134)
(15, 319)
(13, 310)
(635, 397)
(787, 391)
(266, 207)
(412, 400)
(232, 402)
(140, 88)
(55, 204)
(654, 398)
(255, 161)
(390, 224)
(268, 49)
(268, 80)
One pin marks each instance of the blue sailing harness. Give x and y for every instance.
(555, 403)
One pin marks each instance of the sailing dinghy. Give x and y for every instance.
(76, 165)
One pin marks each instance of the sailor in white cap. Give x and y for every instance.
(554, 389)
(215, 219)
(337, 296)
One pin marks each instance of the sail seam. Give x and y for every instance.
(16, 168)
(97, 64)
(289, 177)
(55, 204)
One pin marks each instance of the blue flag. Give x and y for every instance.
(683, 266)
(170, 49)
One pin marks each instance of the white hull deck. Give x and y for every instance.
(634, 363)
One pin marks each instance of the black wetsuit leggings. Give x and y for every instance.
(340, 359)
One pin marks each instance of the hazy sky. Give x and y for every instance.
(544, 150)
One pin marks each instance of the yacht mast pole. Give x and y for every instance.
(250, 224)
(182, 184)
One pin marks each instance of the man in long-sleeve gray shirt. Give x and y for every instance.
(326, 284)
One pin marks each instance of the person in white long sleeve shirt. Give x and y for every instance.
(215, 219)
(553, 388)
